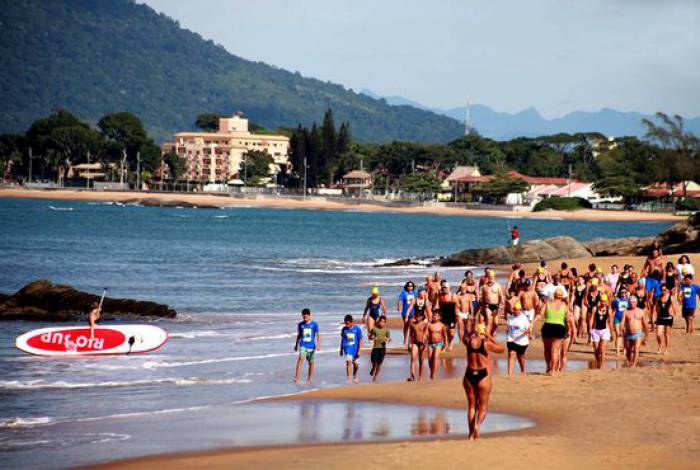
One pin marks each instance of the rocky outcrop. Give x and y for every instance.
(528, 252)
(43, 301)
(683, 237)
(619, 246)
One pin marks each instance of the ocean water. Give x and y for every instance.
(238, 278)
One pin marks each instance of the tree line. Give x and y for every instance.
(621, 166)
(55, 142)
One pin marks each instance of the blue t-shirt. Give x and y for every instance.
(690, 295)
(620, 305)
(351, 339)
(308, 332)
(405, 298)
(654, 286)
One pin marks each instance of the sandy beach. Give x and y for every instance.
(646, 417)
(323, 204)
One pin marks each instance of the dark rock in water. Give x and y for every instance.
(400, 262)
(683, 237)
(155, 202)
(43, 301)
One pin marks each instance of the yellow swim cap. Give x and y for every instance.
(517, 306)
(481, 328)
(375, 291)
(599, 270)
(604, 297)
(540, 269)
(594, 282)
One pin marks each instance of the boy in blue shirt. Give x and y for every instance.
(350, 341)
(307, 343)
(620, 304)
(689, 296)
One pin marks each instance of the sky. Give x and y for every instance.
(555, 55)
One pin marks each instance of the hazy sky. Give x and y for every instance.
(555, 55)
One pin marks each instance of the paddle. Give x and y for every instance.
(102, 299)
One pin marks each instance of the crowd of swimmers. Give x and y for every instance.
(620, 308)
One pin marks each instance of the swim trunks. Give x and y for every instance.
(351, 358)
(435, 345)
(307, 353)
(378, 355)
(634, 336)
(688, 312)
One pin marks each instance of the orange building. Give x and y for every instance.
(217, 157)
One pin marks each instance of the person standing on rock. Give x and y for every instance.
(515, 235)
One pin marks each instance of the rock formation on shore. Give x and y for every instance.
(43, 301)
(683, 237)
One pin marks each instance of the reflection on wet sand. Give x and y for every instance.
(427, 424)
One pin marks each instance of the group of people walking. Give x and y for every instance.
(596, 307)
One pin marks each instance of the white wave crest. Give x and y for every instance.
(24, 422)
(40, 384)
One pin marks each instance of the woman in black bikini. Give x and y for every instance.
(665, 311)
(578, 293)
(670, 277)
(477, 379)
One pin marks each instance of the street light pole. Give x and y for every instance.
(304, 177)
(87, 179)
(138, 171)
(30, 164)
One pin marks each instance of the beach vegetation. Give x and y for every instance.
(256, 167)
(562, 204)
(420, 183)
(501, 185)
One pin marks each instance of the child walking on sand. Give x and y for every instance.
(350, 340)
(381, 335)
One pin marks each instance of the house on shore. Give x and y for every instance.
(356, 182)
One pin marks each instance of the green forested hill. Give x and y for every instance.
(99, 56)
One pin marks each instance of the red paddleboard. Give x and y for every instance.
(76, 341)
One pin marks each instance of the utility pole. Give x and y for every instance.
(304, 177)
(138, 171)
(568, 180)
(121, 171)
(456, 183)
(162, 170)
(87, 179)
(30, 164)
(362, 180)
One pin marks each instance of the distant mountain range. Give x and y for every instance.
(529, 122)
(96, 57)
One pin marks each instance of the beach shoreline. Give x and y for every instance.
(315, 203)
(611, 418)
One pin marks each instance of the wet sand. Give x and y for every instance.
(323, 204)
(646, 417)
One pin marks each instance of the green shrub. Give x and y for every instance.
(562, 204)
(688, 204)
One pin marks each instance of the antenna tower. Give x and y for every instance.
(467, 122)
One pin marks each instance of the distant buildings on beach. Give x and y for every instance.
(220, 156)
